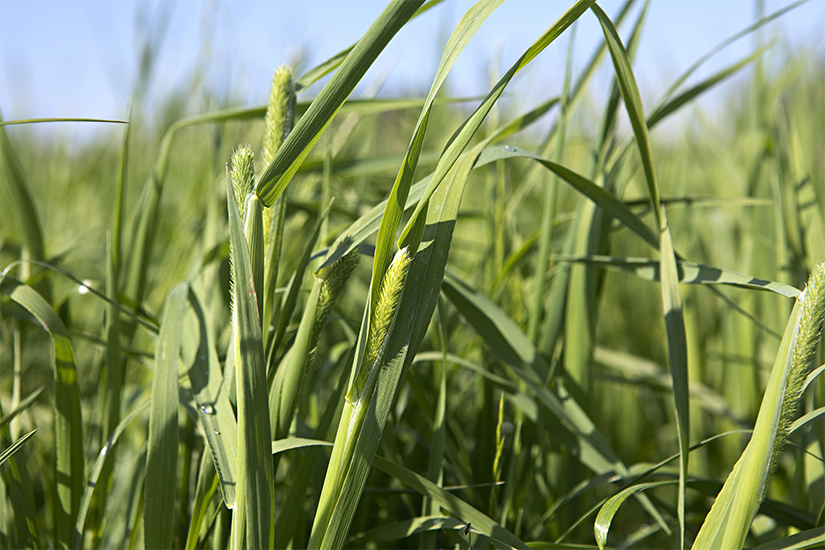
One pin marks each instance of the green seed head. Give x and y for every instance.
(808, 332)
(279, 113)
(388, 298)
(243, 174)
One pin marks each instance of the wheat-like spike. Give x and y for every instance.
(279, 112)
(809, 329)
(388, 298)
(243, 175)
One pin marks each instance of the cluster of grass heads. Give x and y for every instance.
(579, 340)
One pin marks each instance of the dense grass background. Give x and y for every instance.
(546, 297)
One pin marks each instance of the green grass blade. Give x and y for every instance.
(254, 492)
(97, 469)
(632, 101)
(68, 421)
(513, 347)
(310, 127)
(805, 540)
(211, 397)
(677, 357)
(688, 272)
(162, 450)
(729, 520)
(11, 449)
(391, 217)
(481, 523)
(588, 188)
(289, 377)
(207, 485)
(24, 404)
(19, 490)
(464, 134)
(608, 510)
(290, 300)
(689, 95)
(320, 71)
(22, 201)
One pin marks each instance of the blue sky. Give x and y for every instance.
(81, 58)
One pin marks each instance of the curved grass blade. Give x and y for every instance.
(481, 523)
(677, 357)
(729, 520)
(603, 198)
(210, 391)
(458, 142)
(68, 422)
(24, 404)
(633, 103)
(689, 273)
(608, 510)
(805, 540)
(11, 449)
(368, 223)
(512, 346)
(97, 470)
(254, 493)
(162, 449)
(310, 127)
(207, 485)
(22, 202)
(39, 120)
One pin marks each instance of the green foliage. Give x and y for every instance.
(558, 340)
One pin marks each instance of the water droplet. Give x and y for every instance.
(510, 148)
(206, 408)
(202, 357)
(216, 432)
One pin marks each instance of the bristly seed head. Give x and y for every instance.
(243, 174)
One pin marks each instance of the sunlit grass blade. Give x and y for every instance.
(729, 520)
(162, 450)
(512, 346)
(210, 391)
(323, 69)
(11, 449)
(252, 518)
(597, 194)
(608, 510)
(391, 217)
(458, 142)
(312, 124)
(633, 103)
(68, 423)
(677, 358)
(689, 273)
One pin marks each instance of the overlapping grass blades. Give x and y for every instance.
(162, 451)
(252, 518)
(730, 518)
(69, 471)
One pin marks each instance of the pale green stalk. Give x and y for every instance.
(360, 394)
(730, 518)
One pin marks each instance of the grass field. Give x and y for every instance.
(424, 322)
